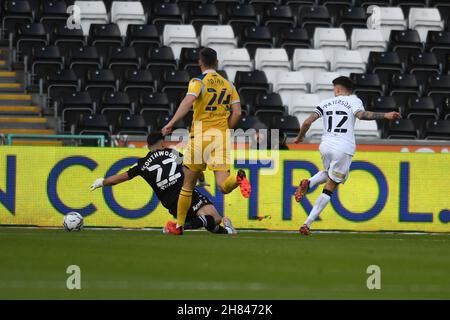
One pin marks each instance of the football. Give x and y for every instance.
(73, 221)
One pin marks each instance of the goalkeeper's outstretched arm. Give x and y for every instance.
(110, 181)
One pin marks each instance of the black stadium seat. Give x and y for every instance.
(161, 60)
(367, 86)
(104, 37)
(137, 83)
(438, 89)
(385, 64)
(203, 14)
(256, 37)
(335, 6)
(385, 104)
(270, 104)
(249, 84)
(438, 42)
(240, 17)
(401, 129)
(61, 83)
(70, 107)
(403, 87)
(84, 59)
(93, 124)
(350, 18)
(113, 105)
(366, 3)
(174, 84)
(166, 13)
(286, 124)
(311, 17)
(436, 130)
(45, 60)
(67, 39)
(423, 66)
(421, 108)
(131, 125)
(443, 6)
(121, 60)
(262, 5)
(293, 38)
(142, 37)
(152, 106)
(405, 43)
(278, 18)
(15, 13)
(100, 82)
(53, 14)
(249, 122)
(30, 36)
(189, 61)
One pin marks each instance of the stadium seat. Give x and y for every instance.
(309, 61)
(278, 18)
(189, 61)
(401, 129)
(323, 84)
(423, 66)
(161, 60)
(15, 13)
(438, 42)
(121, 60)
(272, 61)
(290, 85)
(152, 106)
(311, 17)
(250, 84)
(203, 14)
(219, 38)
(113, 105)
(304, 104)
(366, 41)
(404, 86)
(352, 18)
(346, 62)
(131, 125)
(53, 14)
(174, 84)
(335, 6)
(45, 60)
(438, 88)
(223, 5)
(178, 37)
(28, 37)
(367, 86)
(67, 39)
(330, 41)
(385, 104)
(142, 38)
(166, 13)
(105, 37)
(436, 130)
(316, 130)
(91, 12)
(366, 129)
(83, 59)
(286, 124)
(256, 37)
(70, 107)
(424, 20)
(93, 124)
(366, 3)
(124, 13)
(248, 123)
(385, 64)
(270, 104)
(293, 38)
(386, 19)
(241, 16)
(137, 83)
(421, 107)
(235, 60)
(405, 43)
(443, 6)
(59, 84)
(100, 82)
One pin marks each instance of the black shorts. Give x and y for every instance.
(198, 201)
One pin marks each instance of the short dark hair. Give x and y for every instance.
(346, 82)
(154, 137)
(208, 57)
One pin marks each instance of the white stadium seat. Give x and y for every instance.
(272, 61)
(330, 40)
(424, 20)
(323, 84)
(386, 19)
(366, 129)
(316, 129)
(220, 38)
(91, 12)
(309, 61)
(348, 61)
(235, 60)
(179, 36)
(290, 85)
(367, 40)
(124, 13)
(304, 103)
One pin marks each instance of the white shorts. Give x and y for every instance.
(336, 163)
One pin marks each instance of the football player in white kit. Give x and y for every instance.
(338, 142)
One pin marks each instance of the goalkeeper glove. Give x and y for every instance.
(97, 184)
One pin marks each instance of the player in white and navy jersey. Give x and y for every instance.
(338, 142)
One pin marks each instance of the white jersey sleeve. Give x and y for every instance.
(357, 105)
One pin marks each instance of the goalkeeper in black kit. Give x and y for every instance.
(162, 169)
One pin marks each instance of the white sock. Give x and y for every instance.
(320, 204)
(319, 178)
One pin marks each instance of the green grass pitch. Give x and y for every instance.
(138, 264)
